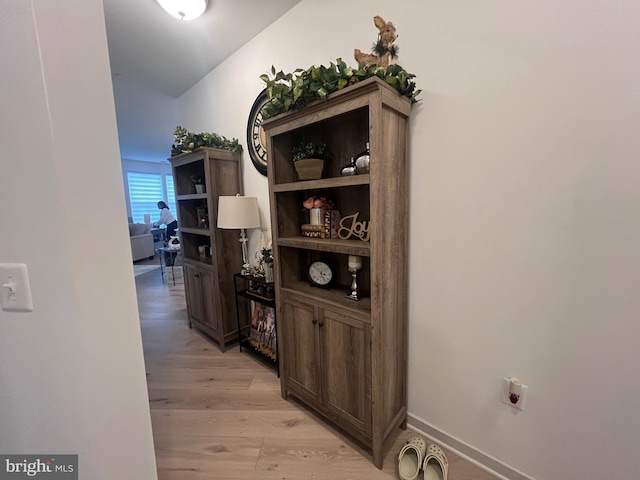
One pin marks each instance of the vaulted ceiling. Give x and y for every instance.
(167, 55)
(156, 58)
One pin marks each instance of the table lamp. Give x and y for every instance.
(239, 213)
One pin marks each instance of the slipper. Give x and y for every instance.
(410, 458)
(436, 465)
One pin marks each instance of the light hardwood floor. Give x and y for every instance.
(220, 416)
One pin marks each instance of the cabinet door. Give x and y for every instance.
(301, 347)
(346, 367)
(208, 301)
(193, 293)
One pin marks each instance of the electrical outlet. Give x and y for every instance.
(506, 397)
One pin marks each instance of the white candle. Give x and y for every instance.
(355, 262)
(316, 216)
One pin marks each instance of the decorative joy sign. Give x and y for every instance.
(351, 227)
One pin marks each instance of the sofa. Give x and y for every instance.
(141, 241)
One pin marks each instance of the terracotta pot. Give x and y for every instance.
(309, 168)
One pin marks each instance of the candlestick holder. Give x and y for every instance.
(354, 283)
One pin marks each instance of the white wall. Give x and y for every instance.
(71, 371)
(146, 121)
(525, 212)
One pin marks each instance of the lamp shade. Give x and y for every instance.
(184, 9)
(238, 212)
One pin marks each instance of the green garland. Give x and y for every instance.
(187, 142)
(293, 91)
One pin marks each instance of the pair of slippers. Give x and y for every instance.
(415, 455)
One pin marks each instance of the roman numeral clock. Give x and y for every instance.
(256, 142)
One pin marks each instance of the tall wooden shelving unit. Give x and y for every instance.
(208, 279)
(345, 359)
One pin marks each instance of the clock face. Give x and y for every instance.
(256, 141)
(320, 274)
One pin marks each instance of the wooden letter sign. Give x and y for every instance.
(351, 227)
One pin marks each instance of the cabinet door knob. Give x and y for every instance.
(314, 321)
(321, 324)
(197, 275)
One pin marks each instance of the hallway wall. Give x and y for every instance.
(525, 212)
(71, 372)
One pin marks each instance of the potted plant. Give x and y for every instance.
(308, 159)
(198, 183)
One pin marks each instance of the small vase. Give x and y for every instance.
(268, 272)
(199, 188)
(316, 216)
(350, 169)
(203, 218)
(362, 162)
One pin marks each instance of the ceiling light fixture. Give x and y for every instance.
(184, 9)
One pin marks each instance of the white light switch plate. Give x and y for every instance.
(15, 291)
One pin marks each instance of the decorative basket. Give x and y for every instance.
(309, 168)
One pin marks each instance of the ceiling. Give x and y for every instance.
(149, 47)
(155, 58)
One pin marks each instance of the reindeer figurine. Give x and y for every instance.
(384, 50)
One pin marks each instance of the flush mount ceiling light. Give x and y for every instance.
(184, 9)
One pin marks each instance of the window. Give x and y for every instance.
(145, 191)
(171, 194)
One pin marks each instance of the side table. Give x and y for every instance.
(164, 253)
(261, 338)
(158, 236)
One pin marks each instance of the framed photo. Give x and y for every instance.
(262, 336)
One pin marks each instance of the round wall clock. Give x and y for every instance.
(256, 141)
(320, 274)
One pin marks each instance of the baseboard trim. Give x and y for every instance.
(486, 462)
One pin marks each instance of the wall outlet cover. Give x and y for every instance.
(522, 402)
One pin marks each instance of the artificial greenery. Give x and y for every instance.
(311, 150)
(187, 142)
(197, 179)
(267, 255)
(293, 91)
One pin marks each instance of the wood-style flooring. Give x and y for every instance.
(220, 415)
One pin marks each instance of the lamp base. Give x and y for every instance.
(243, 241)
